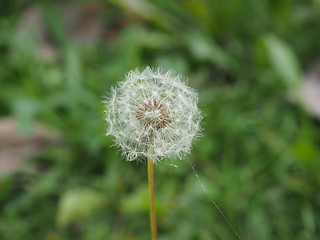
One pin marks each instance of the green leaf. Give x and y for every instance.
(136, 202)
(78, 204)
(283, 61)
(25, 110)
(149, 11)
(204, 49)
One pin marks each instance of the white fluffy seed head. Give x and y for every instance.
(153, 114)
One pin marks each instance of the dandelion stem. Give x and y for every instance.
(153, 220)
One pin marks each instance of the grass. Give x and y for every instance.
(259, 157)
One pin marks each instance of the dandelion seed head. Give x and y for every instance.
(153, 113)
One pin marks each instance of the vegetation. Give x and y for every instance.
(258, 158)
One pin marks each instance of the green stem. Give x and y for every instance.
(153, 220)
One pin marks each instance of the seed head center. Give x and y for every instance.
(153, 114)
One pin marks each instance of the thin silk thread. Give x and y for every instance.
(214, 203)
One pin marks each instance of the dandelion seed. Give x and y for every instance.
(153, 114)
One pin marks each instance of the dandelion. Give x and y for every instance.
(153, 115)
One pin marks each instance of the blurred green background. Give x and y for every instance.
(259, 157)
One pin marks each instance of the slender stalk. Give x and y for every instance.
(153, 220)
